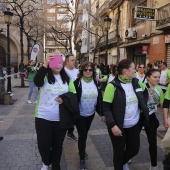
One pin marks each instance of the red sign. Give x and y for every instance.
(144, 49)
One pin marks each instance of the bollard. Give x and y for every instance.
(7, 99)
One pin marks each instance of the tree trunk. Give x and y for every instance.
(22, 52)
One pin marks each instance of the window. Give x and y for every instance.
(80, 17)
(50, 42)
(50, 18)
(52, 10)
(63, 1)
(50, 2)
(62, 10)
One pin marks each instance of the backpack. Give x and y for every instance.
(26, 75)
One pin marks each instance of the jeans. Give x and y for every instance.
(35, 88)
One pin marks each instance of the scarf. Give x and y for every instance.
(124, 79)
(87, 80)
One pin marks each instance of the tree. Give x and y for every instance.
(22, 9)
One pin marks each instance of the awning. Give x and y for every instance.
(135, 43)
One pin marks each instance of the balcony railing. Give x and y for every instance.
(104, 9)
(163, 17)
(114, 3)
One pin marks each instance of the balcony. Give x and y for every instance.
(104, 9)
(113, 4)
(163, 17)
(94, 19)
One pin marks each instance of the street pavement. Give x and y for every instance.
(18, 149)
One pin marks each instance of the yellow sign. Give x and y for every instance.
(145, 13)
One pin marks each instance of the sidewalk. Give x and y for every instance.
(18, 150)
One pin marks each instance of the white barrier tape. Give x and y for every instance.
(6, 76)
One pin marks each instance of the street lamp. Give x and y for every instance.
(79, 46)
(107, 23)
(8, 18)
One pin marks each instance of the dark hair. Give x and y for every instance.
(141, 64)
(84, 65)
(149, 65)
(151, 71)
(114, 69)
(67, 56)
(51, 79)
(164, 63)
(124, 64)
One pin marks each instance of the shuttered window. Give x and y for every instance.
(168, 56)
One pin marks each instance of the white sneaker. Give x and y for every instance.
(29, 101)
(44, 167)
(153, 168)
(35, 101)
(125, 167)
(130, 161)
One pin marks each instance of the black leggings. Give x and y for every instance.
(126, 146)
(151, 132)
(50, 141)
(83, 125)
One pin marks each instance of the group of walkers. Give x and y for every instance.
(70, 97)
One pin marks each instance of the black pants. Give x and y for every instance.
(83, 125)
(50, 141)
(70, 130)
(126, 146)
(151, 132)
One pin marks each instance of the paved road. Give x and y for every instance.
(18, 150)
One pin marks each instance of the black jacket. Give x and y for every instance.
(69, 110)
(114, 112)
(78, 86)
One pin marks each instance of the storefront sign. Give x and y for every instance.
(167, 39)
(144, 49)
(145, 13)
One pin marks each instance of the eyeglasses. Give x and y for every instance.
(141, 67)
(87, 70)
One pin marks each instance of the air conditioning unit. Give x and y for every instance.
(130, 33)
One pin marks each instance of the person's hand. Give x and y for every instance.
(59, 100)
(102, 118)
(166, 123)
(49, 56)
(97, 79)
(116, 131)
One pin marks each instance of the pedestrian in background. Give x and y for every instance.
(90, 100)
(122, 104)
(140, 74)
(32, 70)
(72, 72)
(155, 97)
(53, 83)
(15, 70)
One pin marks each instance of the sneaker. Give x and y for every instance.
(130, 160)
(82, 165)
(153, 168)
(125, 167)
(35, 101)
(71, 136)
(29, 101)
(44, 167)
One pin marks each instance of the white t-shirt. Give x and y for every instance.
(132, 111)
(141, 78)
(72, 73)
(111, 77)
(47, 108)
(163, 79)
(97, 73)
(88, 99)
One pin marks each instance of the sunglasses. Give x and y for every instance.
(87, 70)
(141, 67)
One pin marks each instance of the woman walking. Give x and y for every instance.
(123, 99)
(32, 71)
(155, 97)
(90, 99)
(140, 74)
(53, 82)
